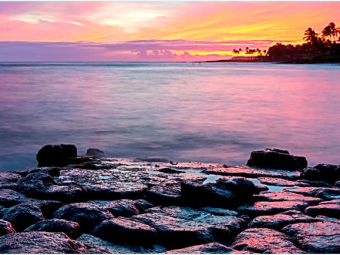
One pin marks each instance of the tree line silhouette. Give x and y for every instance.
(317, 47)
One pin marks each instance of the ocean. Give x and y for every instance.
(207, 112)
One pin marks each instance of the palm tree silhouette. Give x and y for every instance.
(330, 32)
(310, 36)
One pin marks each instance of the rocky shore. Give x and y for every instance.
(94, 204)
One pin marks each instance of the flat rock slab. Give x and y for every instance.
(286, 196)
(87, 215)
(281, 182)
(165, 194)
(99, 246)
(318, 237)
(124, 230)
(39, 242)
(6, 228)
(70, 228)
(330, 210)
(306, 191)
(10, 197)
(254, 173)
(329, 194)
(123, 207)
(278, 221)
(271, 208)
(210, 248)
(264, 240)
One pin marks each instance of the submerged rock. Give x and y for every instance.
(87, 215)
(95, 152)
(39, 242)
(264, 240)
(276, 159)
(317, 237)
(70, 228)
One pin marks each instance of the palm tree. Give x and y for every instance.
(310, 35)
(330, 32)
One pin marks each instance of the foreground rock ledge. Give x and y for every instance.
(87, 204)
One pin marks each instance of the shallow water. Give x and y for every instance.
(214, 112)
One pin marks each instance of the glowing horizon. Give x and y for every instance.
(148, 31)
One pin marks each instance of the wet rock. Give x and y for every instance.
(276, 159)
(39, 242)
(280, 182)
(8, 180)
(95, 152)
(264, 240)
(56, 155)
(56, 225)
(124, 230)
(10, 197)
(210, 248)
(123, 207)
(6, 228)
(278, 221)
(337, 185)
(286, 196)
(330, 210)
(306, 191)
(87, 215)
(334, 201)
(271, 208)
(173, 232)
(143, 205)
(219, 211)
(221, 227)
(48, 207)
(22, 216)
(254, 173)
(317, 237)
(329, 194)
(99, 246)
(225, 192)
(164, 194)
(260, 188)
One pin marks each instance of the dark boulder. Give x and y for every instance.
(39, 242)
(329, 194)
(330, 210)
(226, 192)
(322, 172)
(316, 237)
(48, 207)
(124, 230)
(123, 207)
(56, 155)
(264, 240)
(10, 197)
(70, 228)
(276, 159)
(142, 205)
(87, 215)
(22, 216)
(95, 152)
(210, 248)
(337, 185)
(6, 228)
(278, 221)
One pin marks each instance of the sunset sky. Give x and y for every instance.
(152, 31)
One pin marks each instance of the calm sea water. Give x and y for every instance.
(213, 112)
